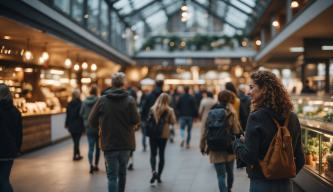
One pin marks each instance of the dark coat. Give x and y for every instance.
(86, 107)
(74, 121)
(10, 130)
(244, 109)
(116, 115)
(148, 102)
(186, 106)
(260, 131)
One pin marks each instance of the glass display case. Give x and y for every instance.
(316, 118)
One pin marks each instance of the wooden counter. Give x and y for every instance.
(41, 130)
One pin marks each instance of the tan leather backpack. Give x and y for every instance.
(279, 162)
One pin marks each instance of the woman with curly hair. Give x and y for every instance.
(269, 100)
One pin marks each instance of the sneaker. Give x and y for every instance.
(158, 177)
(91, 171)
(182, 143)
(153, 178)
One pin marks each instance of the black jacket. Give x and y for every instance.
(260, 131)
(148, 102)
(10, 130)
(244, 109)
(186, 106)
(74, 121)
(116, 115)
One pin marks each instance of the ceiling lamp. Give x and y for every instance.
(275, 23)
(76, 67)
(294, 4)
(184, 6)
(258, 42)
(238, 71)
(244, 43)
(84, 65)
(27, 54)
(68, 61)
(93, 67)
(45, 54)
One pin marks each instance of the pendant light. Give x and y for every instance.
(93, 67)
(45, 54)
(27, 54)
(68, 61)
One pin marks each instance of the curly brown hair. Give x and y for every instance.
(275, 96)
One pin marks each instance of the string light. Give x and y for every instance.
(84, 65)
(76, 67)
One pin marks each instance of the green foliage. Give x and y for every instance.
(199, 42)
(328, 118)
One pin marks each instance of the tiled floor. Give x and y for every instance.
(52, 169)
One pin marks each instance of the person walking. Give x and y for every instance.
(206, 104)
(245, 106)
(164, 114)
(187, 109)
(271, 107)
(146, 103)
(92, 133)
(235, 100)
(10, 136)
(74, 123)
(223, 115)
(116, 115)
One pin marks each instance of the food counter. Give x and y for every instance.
(316, 119)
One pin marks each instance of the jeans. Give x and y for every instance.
(76, 140)
(157, 145)
(186, 121)
(93, 145)
(260, 185)
(5, 168)
(221, 170)
(115, 163)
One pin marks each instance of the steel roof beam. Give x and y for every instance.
(110, 4)
(235, 7)
(212, 13)
(138, 11)
(247, 5)
(141, 16)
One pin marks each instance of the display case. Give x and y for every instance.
(316, 119)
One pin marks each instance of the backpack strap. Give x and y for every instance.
(286, 122)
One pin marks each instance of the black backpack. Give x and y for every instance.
(219, 136)
(154, 129)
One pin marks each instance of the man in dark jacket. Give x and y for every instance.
(245, 105)
(187, 110)
(10, 136)
(116, 115)
(146, 103)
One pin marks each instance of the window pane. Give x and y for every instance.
(104, 21)
(63, 5)
(93, 15)
(77, 9)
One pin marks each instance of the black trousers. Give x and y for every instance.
(5, 168)
(76, 140)
(157, 145)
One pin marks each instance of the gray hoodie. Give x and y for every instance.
(86, 107)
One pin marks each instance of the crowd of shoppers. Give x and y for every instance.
(110, 122)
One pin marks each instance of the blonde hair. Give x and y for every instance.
(161, 105)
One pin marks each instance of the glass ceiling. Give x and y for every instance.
(232, 14)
